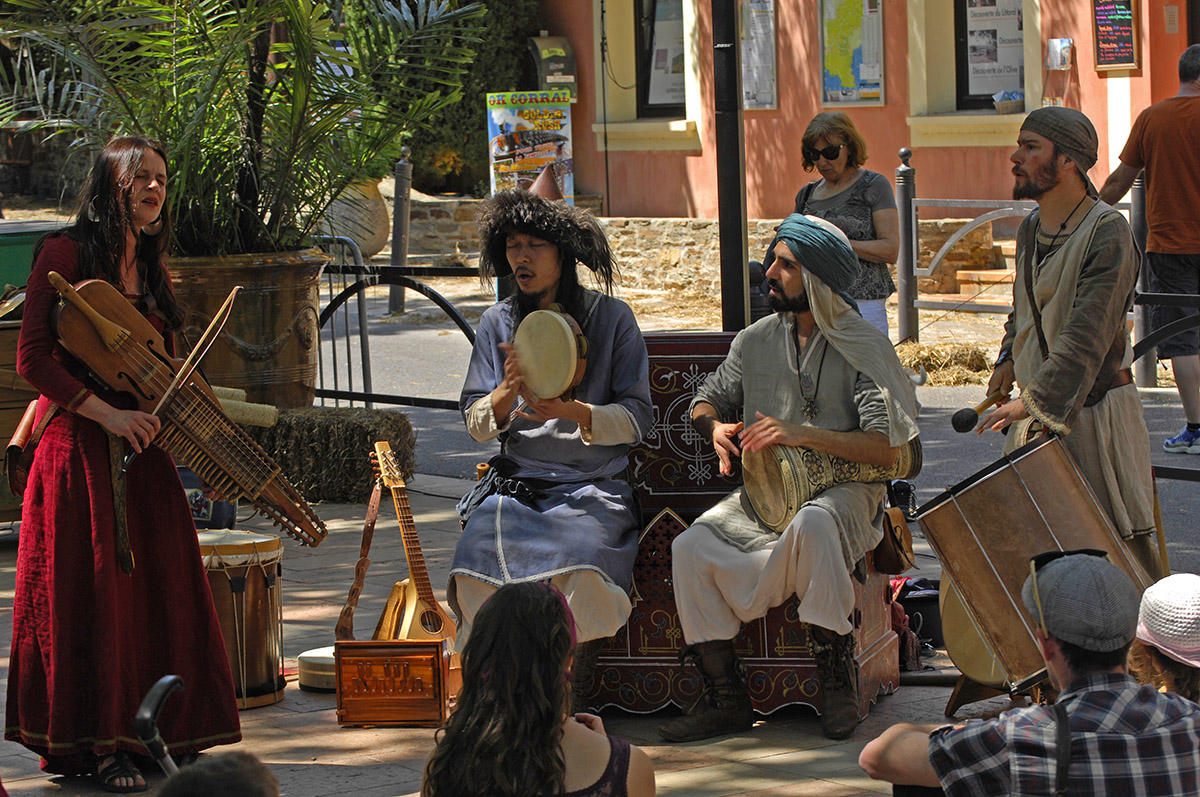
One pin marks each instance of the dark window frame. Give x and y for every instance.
(643, 26)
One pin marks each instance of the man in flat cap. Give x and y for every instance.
(1122, 738)
(557, 504)
(1066, 343)
(814, 375)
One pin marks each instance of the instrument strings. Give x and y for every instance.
(193, 419)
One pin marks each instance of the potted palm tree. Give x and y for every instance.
(269, 110)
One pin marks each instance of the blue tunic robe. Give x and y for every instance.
(584, 518)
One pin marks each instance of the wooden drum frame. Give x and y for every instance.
(985, 530)
(245, 573)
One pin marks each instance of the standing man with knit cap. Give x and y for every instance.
(1066, 344)
(1105, 734)
(813, 375)
(557, 504)
(1165, 141)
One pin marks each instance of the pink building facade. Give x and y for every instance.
(665, 165)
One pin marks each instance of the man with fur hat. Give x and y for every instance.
(814, 375)
(1066, 344)
(1124, 738)
(556, 505)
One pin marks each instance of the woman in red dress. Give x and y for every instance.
(89, 639)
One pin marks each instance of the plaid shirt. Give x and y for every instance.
(1126, 739)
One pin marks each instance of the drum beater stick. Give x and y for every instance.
(965, 419)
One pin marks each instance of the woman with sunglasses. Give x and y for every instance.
(859, 201)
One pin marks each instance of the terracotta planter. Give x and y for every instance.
(361, 213)
(270, 345)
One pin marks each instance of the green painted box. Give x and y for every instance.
(17, 239)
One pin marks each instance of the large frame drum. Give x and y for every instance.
(986, 528)
(245, 571)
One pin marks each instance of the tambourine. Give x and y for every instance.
(553, 354)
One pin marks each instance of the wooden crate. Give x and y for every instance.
(393, 682)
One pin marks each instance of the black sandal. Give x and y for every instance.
(120, 766)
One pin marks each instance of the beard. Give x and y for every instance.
(1036, 185)
(526, 303)
(784, 303)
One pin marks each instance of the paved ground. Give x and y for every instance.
(785, 755)
(301, 741)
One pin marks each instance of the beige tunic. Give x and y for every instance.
(1083, 290)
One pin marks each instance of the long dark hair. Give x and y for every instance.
(103, 216)
(504, 737)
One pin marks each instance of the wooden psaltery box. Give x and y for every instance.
(398, 682)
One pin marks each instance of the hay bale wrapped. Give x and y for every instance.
(325, 451)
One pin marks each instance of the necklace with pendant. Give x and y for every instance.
(807, 383)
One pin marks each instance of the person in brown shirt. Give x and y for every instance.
(1165, 141)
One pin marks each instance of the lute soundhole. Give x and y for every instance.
(431, 622)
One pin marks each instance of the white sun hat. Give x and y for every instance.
(1170, 617)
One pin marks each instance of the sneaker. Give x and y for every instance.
(1186, 442)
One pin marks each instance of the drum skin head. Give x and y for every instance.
(238, 547)
(548, 352)
(774, 496)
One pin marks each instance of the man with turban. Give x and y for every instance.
(557, 504)
(814, 375)
(1066, 344)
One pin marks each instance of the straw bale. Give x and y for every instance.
(947, 363)
(325, 452)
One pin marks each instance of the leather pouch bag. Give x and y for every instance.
(894, 553)
(18, 457)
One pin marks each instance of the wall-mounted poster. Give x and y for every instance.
(1114, 27)
(995, 47)
(667, 83)
(852, 52)
(528, 131)
(758, 55)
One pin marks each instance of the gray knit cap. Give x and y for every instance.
(1073, 134)
(1087, 601)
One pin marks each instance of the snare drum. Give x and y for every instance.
(553, 353)
(986, 528)
(244, 572)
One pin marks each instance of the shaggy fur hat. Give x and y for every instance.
(574, 231)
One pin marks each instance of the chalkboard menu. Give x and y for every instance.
(1114, 23)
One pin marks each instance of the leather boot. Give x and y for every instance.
(724, 705)
(582, 672)
(839, 685)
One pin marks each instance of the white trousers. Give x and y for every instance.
(599, 606)
(718, 586)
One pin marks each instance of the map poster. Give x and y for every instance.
(528, 131)
(758, 55)
(995, 47)
(852, 52)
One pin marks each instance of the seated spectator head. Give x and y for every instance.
(1166, 653)
(504, 734)
(1086, 608)
(235, 774)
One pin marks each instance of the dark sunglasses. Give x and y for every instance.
(829, 153)
(1036, 563)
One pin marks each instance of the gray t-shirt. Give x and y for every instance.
(853, 212)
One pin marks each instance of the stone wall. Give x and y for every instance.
(681, 254)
